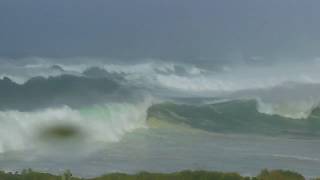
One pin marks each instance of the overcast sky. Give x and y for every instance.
(170, 29)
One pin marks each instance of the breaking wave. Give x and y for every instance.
(56, 99)
(104, 123)
(175, 76)
(294, 110)
(56, 91)
(292, 100)
(236, 116)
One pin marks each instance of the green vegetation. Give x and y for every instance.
(279, 175)
(183, 175)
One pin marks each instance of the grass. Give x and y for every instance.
(183, 175)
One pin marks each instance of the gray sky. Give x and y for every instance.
(213, 30)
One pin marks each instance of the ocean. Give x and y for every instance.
(96, 116)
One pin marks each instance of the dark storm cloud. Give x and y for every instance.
(171, 29)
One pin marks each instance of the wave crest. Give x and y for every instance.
(236, 116)
(295, 110)
(107, 123)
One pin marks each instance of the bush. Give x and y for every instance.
(279, 175)
(28, 174)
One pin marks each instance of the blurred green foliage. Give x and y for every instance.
(29, 174)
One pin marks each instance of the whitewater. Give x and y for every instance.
(107, 116)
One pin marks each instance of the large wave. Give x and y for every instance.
(56, 91)
(286, 97)
(236, 116)
(175, 76)
(292, 100)
(103, 123)
(301, 109)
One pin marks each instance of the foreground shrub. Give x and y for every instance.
(279, 175)
(183, 175)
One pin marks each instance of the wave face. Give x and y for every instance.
(238, 116)
(294, 109)
(70, 96)
(103, 123)
(291, 100)
(182, 77)
(55, 91)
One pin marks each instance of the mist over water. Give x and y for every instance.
(119, 85)
(34, 85)
(74, 110)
